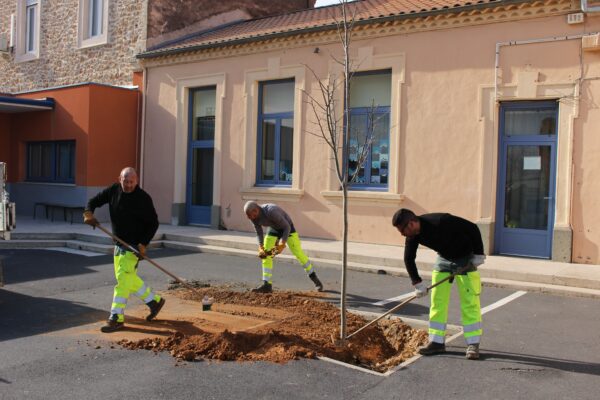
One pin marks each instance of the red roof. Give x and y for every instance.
(314, 18)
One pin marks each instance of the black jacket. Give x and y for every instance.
(132, 215)
(452, 237)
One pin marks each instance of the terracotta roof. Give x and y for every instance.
(310, 19)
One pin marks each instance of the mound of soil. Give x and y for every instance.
(310, 328)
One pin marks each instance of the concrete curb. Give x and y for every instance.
(564, 285)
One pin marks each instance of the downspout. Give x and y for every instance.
(143, 133)
(144, 35)
(586, 9)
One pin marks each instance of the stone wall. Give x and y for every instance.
(61, 62)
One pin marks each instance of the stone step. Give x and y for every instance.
(90, 246)
(251, 245)
(31, 244)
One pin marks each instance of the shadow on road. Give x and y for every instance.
(532, 364)
(366, 303)
(24, 315)
(23, 265)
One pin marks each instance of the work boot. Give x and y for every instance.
(155, 308)
(265, 287)
(316, 281)
(112, 325)
(472, 352)
(432, 348)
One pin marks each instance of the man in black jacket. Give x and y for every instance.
(134, 220)
(460, 250)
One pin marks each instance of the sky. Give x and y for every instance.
(321, 3)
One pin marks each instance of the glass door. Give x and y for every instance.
(525, 207)
(201, 155)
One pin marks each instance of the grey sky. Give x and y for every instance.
(321, 3)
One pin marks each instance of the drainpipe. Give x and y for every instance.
(586, 9)
(143, 133)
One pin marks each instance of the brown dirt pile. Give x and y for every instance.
(305, 330)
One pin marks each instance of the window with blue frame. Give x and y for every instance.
(51, 161)
(370, 99)
(275, 133)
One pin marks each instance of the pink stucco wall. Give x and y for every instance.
(440, 128)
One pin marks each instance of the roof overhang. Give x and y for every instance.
(11, 105)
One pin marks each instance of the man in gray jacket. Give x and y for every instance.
(280, 232)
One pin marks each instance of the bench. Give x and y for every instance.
(67, 208)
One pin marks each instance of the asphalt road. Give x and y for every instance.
(534, 347)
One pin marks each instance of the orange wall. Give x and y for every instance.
(68, 121)
(103, 121)
(113, 133)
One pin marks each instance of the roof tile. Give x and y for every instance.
(310, 18)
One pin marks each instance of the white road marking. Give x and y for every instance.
(393, 299)
(503, 301)
(74, 251)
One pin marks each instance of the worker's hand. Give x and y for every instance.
(88, 218)
(141, 251)
(477, 259)
(261, 252)
(420, 289)
(280, 247)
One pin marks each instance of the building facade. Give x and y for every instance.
(485, 110)
(70, 109)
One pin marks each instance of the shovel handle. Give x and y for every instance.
(137, 252)
(408, 300)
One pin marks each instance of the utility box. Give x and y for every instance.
(591, 42)
(7, 209)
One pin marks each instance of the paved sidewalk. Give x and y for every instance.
(519, 273)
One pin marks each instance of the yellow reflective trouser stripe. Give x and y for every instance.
(438, 313)
(469, 289)
(128, 282)
(267, 263)
(293, 243)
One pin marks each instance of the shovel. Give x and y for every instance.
(408, 300)
(136, 252)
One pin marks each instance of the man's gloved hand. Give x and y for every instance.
(420, 289)
(280, 247)
(477, 259)
(261, 252)
(142, 250)
(88, 218)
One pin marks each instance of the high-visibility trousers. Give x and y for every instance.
(128, 282)
(469, 289)
(293, 243)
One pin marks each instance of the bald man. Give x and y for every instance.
(280, 232)
(134, 220)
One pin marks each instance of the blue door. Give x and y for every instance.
(201, 149)
(526, 179)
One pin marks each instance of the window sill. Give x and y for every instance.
(97, 41)
(364, 198)
(21, 58)
(272, 193)
(48, 183)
